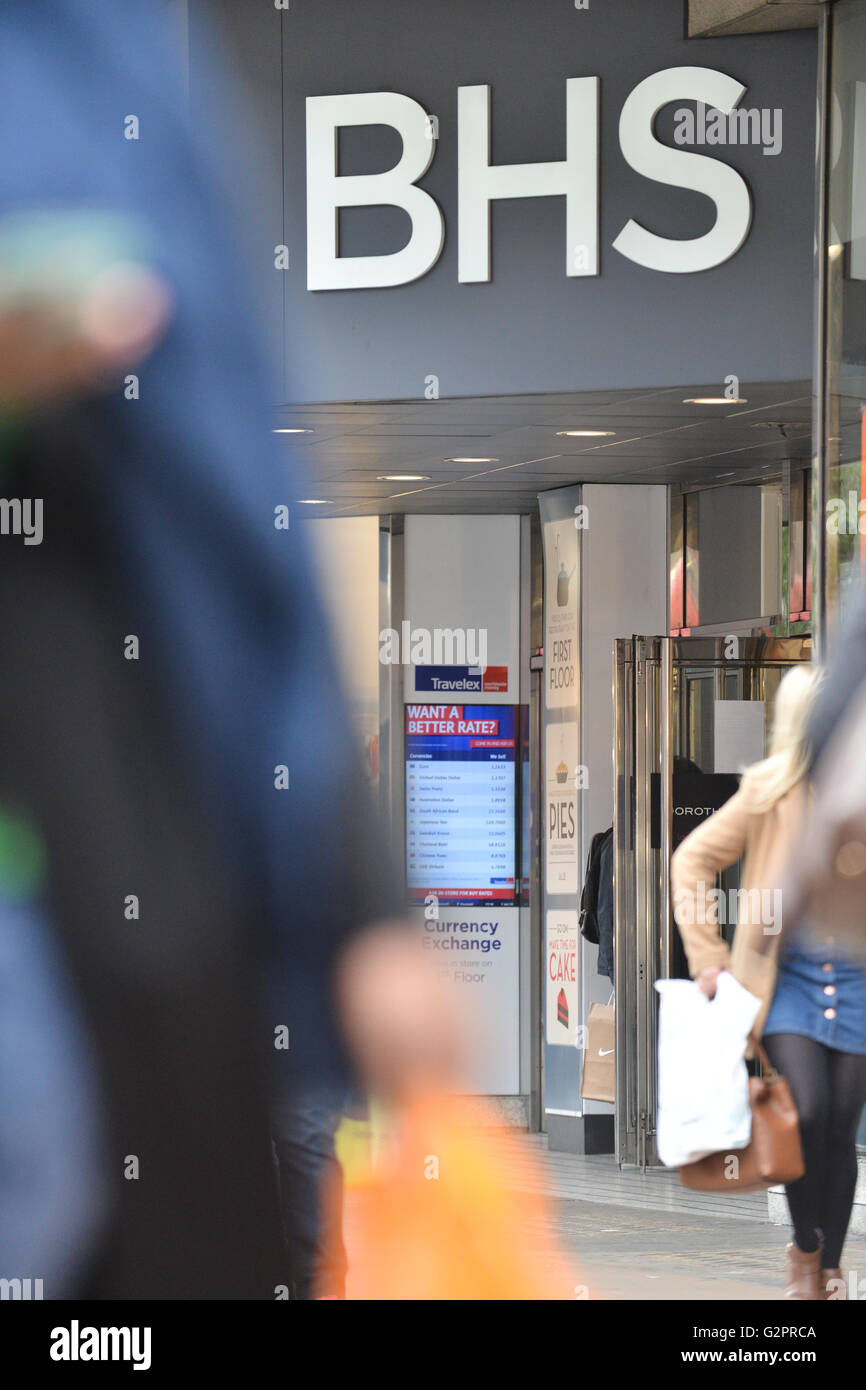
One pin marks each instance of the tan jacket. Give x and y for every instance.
(766, 839)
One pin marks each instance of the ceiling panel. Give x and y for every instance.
(657, 438)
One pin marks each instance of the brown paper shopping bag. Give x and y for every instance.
(598, 1062)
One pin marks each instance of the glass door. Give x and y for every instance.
(690, 713)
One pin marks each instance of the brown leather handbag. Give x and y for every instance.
(773, 1154)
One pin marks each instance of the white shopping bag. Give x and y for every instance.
(703, 1084)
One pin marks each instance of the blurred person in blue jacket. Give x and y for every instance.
(175, 755)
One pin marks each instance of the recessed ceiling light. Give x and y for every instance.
(403, 478)
(312, 502)
(468, 460)
(584, 434)
(715, 400)
(292, 431)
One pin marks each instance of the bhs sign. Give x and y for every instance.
(480, 182)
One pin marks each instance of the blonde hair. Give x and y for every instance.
(788, 760)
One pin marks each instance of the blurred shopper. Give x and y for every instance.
(311, 1194)
(845, 679)
(173, 744)
(63, 330)
(813, 1014)
(439, 1214)
(828, 871)
(195, 912)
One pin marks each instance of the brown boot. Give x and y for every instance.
(833, 1287)
(803, 1275)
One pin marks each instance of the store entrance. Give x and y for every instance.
(690, 713)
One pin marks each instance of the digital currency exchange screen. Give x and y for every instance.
(460, 803)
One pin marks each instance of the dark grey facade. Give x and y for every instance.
(532, 328)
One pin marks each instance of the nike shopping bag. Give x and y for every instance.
(598, 1061)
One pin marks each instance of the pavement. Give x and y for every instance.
(643, 1236)
(626, 1253)
(632, 1235)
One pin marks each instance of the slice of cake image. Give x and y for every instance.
(562, 1008)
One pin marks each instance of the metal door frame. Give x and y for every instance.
(643, 744)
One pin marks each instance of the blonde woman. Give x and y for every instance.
(813, 999)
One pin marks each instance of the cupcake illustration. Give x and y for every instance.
(563, 579)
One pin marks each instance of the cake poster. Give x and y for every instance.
(560, 977)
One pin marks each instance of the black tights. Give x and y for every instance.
(829, 1089)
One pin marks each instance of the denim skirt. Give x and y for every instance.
(820, 994)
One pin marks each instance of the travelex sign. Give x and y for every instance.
(481, 183)
(443, 679)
